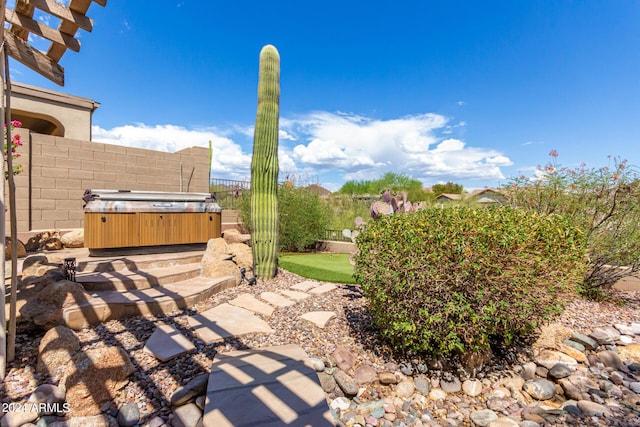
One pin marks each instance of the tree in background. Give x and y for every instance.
(394, 182)
(448, 188)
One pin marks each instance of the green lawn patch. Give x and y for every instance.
(324, 267)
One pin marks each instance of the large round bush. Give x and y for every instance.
(446, 281)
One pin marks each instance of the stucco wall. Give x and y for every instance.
(57, 171)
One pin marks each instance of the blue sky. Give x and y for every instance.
(463, 91)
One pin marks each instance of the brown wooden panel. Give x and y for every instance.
(111, 230)
(149, 229)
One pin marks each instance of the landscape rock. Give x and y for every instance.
(56, 349)
(221, 269)
(610, 359)
(472, 388)
(21, 252)
(549, 358)
(540, 389)
(365, 374)
(405, 389)
(483, 417)
(346, 383)
(53, 244)
(217, 250)
(559, 370)
(344, 358)
(630, 352)
(95, 377)
(37, 241)
(32, 263)
(188, 392)
(129, 415)
(242, 255)
(234, 236)
(46, 307)
(605, 335)
(73, 238)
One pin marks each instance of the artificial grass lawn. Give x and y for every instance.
(324, 267)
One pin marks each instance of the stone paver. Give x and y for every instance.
(226, 320)
(271, 386)
(305, 286)
(319, 318)
(295, 295)
(166, 342)
(250, 302)
(327, 287)
(276, 299)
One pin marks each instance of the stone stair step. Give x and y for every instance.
(124, 280)
(113, 304)
(138, 262)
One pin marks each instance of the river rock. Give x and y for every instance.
(346, 383)
(365, 374)
(188, 392)
(540, 389)
(129, 415)
(548, 358)
(188, 415)
(483, 417)
(610, 359)
(605, 335)
(344, 358)
(472, 388)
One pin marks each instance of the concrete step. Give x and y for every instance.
(124, 280)
(139, 262)
(111, 304)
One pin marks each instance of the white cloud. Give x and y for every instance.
(228, 157)
(332, 146)
(364, 148)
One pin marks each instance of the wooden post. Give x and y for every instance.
(3, 318)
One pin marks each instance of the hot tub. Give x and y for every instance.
(124, 219)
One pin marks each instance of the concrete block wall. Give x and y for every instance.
(57, 171)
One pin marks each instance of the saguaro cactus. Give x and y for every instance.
(264, 167)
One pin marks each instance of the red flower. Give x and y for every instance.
(553, 153)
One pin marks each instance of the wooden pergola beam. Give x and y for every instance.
(22, 21)
(19, 50)
(56, 9)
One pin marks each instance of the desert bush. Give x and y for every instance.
(446, 281)
(302, 214)
(605, 202)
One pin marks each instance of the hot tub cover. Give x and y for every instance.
(125, 201)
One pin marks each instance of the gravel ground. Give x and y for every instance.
(153, 382)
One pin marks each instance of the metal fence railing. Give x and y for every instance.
(334, 235)
(228, 192)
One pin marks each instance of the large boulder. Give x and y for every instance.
(55, 352)
(73, 239)
(95, 377)
(234, 236)
(37, 241)
(222, 268)
(242, 255)
(217, 250)
(21, 253)
(31, 266)
(45, 308)
(53, 244)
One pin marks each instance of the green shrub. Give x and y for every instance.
(605, 202)
(447, 281)
(303, 217)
